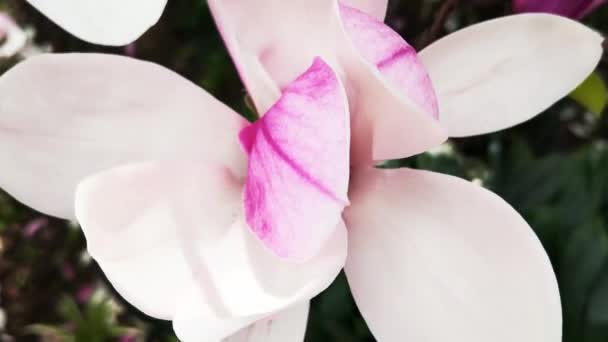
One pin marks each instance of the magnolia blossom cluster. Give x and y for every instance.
(229, 228)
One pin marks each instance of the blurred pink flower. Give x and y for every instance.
(128, 338)
(32, 227)
(575, 9)
(12, 37)
(229, 228)
(84, 293)
(68, 271)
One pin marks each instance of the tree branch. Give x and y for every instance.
(442, 16)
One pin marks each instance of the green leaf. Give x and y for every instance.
(592, 94)
(47, 332)
(581, 264)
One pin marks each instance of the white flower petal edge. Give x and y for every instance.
(171, 238)
(107, 22)
(193, 325)
(502, 72)
(436, 258)
(286, 326)
(67, 116)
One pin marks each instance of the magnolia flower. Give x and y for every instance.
(425, 250)
(12, 37)
(107, 22)
(570, 8)
(230, 237)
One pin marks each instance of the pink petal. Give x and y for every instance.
(298, 165)
(436, 258)
(384, 123)
(107, 22)
(502, 72)
(64, 117)
(288, 325)
(394, 57)
(375, 8)
(171, 235)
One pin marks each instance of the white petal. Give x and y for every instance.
(499, 73)
(107, 22)
(135, 217)
(160, 230)
(196, 321)
(64, 117)
(286, 326)
(436, 258)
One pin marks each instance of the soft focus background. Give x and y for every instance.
(553, 170)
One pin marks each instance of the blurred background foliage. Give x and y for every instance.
(552, 169)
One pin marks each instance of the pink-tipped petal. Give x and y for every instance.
(64, 117)
(385, 124)
(436, 258)
(502, 72)
(375, 8)
(107, 22)
(166, 232)
(392, 56)
(397, 95)
(286, 326)
(298, 165)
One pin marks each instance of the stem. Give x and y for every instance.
(605, 54)
(442, 16)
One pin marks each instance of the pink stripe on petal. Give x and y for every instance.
(396, 60)
(298, 169)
